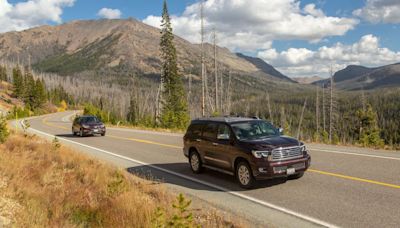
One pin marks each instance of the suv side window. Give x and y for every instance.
(223, 132)
(210, 131)
(195, 130)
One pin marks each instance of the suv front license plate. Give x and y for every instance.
(96, 130)
(290, 171)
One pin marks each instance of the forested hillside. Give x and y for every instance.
(112, 68)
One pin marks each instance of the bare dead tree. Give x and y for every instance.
(269, 108)
(221, 93)
(215, 70)
(301, 118)
(332, 107)
(317, 111)
(203, 76)
(189, 89)
(323, 108)
(228, 94)
(363, 99)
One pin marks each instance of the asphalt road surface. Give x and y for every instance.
(344, 187)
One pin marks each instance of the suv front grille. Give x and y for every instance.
(287, 153)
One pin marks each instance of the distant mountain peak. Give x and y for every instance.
(265, 67)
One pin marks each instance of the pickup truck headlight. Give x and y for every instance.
(260, 154)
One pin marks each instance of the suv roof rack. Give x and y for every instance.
(226, 119)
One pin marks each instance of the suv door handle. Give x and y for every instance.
(215, 144)
(198, 140)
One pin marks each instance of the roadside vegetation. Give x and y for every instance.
(44, 184)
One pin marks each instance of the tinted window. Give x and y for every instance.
(90, 119)
(195, 130)
(223, 132)
(254, 130)
(210, 131)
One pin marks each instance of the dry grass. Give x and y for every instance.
(51, 186)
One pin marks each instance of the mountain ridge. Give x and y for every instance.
(124, 45)
(356, 77)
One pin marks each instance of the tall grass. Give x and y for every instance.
(56, 187)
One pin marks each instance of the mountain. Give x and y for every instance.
(264, 67)
(114, 47)
(360, 77)
(308, 80)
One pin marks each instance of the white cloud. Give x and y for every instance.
(249, 25)
(380, 11)
(109, 13)
(303, 62)
(24, 15)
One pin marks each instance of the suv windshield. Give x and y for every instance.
(90, 120)
(254, 130)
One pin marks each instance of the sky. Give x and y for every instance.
(298, 37)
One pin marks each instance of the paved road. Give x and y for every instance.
(345, 187)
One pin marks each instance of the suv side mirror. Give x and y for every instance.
(280, 130)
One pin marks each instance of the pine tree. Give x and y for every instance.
(29, 90)
(174, 109)
(18, 82)
(3, 73)
(369, 130)
(40, 94)
(133, 114)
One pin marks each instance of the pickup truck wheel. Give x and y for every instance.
(296, 176)
(244, 175)
(195, 162)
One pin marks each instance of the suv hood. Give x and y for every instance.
(271, 143)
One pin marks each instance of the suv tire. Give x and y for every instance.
(296, 176)
(244, 175)
(195, 162)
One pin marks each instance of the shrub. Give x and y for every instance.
(3, 129)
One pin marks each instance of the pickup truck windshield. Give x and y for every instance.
(253, 130)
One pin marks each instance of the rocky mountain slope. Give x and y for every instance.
(360, 77)
(113, 47)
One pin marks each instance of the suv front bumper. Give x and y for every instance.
(266, 169)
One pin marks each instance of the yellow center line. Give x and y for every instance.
(354, 178)
(145, 141)
(44, 121)
(117, 137)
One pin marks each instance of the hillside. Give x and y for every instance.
(308, 80)
(6, 100)
(265, 67)
(105, 47)
(360, 77)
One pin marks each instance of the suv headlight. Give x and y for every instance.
(85, 126)
(260, 154)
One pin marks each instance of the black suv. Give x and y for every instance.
(88, 125)
(251, 149)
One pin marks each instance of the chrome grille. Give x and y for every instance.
(286, 153)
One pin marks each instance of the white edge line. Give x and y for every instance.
(355, 154)
(254, 200)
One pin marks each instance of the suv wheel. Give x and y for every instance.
(296, 176)
(195, 162)
(244, 175)
(81, 133)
